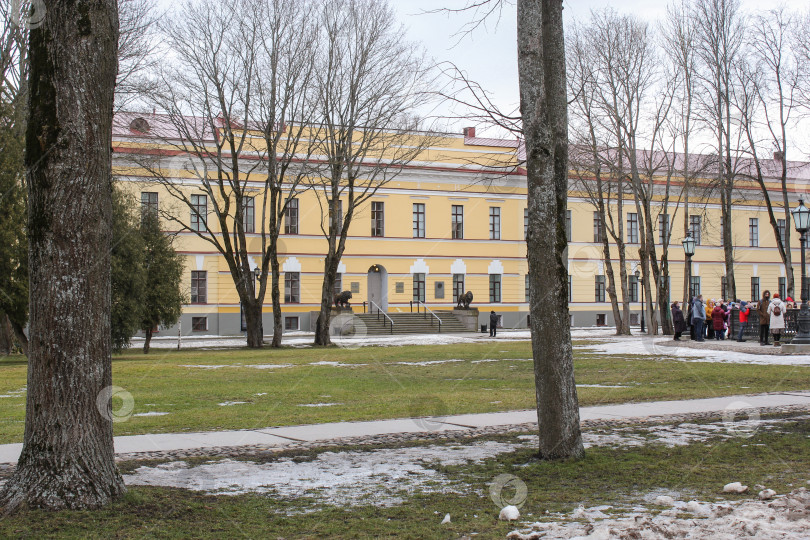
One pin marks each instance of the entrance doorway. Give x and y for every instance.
(378, 286)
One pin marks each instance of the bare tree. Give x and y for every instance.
(541, 69)
(679, 41)
(720, 36)
(206, 97)
(284, 113)
(137, 46)
(67, 460)
(767, 98)
(369, 84)
(591, 159)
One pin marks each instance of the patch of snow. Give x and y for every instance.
(334, 364)
(341, 478)
(150, 413)
(319, 404)
(205, 366)
(267, 366)
(427, 362)
(509, 513)
(446, 519)
(767, 494)
(602, 386)
(229, 403)
(735, 487)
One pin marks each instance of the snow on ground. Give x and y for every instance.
(653, 346)
(230, 403)
(319, 404)
(337, 478)
(784, 517)
(151, 413)
(377, 476)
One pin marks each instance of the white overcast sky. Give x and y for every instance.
(489, 54)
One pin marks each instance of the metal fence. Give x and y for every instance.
(752, 330)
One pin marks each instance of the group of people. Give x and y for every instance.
(712, 319)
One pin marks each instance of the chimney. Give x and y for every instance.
(469, 132)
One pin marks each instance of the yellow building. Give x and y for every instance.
(454, 220)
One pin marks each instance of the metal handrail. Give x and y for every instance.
(371, 307)
(428, 310)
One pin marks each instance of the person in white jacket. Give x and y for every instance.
(776, 310)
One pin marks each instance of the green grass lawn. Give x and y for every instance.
(380, 387)
(619, 477)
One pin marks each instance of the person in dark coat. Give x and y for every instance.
(493, 323)
(718, 321)
(764, 317)
(678, 321)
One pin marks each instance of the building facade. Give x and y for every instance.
(454, 220)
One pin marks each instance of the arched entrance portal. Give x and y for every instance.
(378, 286)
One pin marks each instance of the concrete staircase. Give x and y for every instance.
(411, 323)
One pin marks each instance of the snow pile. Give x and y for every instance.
(735, 487)
(509, 513)
(340, 478)
(785, 517)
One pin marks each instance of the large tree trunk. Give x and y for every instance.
(275, 295)
(6, 335)
(253, 322)
(541, 67)
(327, 295)
(147, 340)
(67, 460)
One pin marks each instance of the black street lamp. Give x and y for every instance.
(689, 244)
(639, 284)
(801, 219)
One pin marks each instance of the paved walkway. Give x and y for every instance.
(283, 436)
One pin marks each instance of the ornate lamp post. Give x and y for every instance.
(689, 250)
(801, 219)
(640, 285)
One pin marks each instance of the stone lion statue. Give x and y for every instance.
(465, 300)
(342, 299)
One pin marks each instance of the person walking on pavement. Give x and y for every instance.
(764, 317)
(744, 311)
(493, 323)
(678, 321)
(698, 317)
(776, 312)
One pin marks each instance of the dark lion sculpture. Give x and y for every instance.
(465, 300)
(342, 299)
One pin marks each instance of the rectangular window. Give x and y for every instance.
(783, 288)
(419, 287)
(527, 288)
(458, 287)
(149, 203)
(694, 228)
(754, 289)
(494, 287)
(457, 221)
(568, 225)
(632, 228)
(753, 233)
(199, 287)
(570, 288)
(377, 219)
(199, 212)
(199, 324)
(292, 287)
(291, 323)
(694, 286)
(597, 227)
(494, 222)
(291, 219)
(525, 223)
(338, 283)
(418, 220)
(663, 228)
(248, 214)
(599, 290)
(780, 225)
(632, 290)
